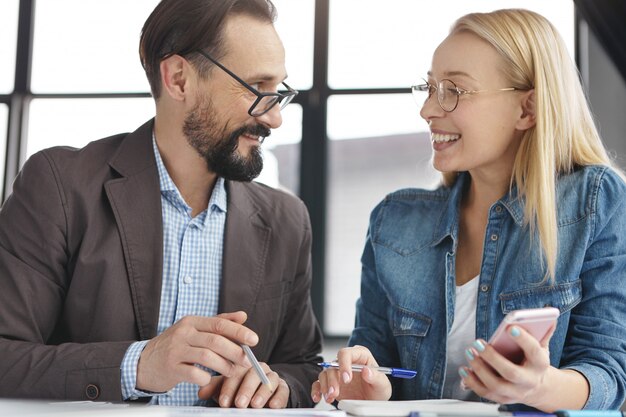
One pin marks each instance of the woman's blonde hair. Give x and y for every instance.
(564, 137)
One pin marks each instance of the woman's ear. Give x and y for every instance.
(174, 76)
(528, 117)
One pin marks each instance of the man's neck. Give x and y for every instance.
(187, 169)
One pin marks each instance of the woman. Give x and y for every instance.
(531, 213)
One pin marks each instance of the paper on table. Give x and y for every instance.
(249, 412)
(404, 408)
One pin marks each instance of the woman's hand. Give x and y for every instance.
(494, 377)
(343, 383)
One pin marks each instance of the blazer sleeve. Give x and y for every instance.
(35, 280)
(296, 353)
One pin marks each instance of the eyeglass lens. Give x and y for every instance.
(265, 103)
(447, 94)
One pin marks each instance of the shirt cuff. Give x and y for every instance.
(128, 372)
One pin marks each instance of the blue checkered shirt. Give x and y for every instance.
(192, 269)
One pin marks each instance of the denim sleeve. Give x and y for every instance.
(128, 372)
(596, 340)
(372, 328)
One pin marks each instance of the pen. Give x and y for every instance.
(257, 367)
(395, 372)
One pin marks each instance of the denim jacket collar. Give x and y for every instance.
(448, 223)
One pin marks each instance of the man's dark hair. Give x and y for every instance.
(182, 27)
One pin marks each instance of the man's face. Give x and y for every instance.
(218, 125)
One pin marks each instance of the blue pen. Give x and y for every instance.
(395, 372)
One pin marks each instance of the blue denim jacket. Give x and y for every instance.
(406, 306)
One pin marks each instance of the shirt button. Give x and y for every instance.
(498, 209)
(484, 288)
(187, 279)
(494, 237)
(92, 391)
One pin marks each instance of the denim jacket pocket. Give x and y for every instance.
(564, 296)
(409, 329)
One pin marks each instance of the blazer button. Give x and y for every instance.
(92, 391)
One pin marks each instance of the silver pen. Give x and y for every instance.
(257, 367)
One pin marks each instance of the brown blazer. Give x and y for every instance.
(81, 253)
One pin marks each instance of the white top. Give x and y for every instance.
(461, 336)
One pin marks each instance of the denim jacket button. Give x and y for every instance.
(484, 288)
(494, 237)
(498, 209)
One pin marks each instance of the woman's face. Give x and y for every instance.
(480, 135)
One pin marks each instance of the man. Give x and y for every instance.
(116, 259)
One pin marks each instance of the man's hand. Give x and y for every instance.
(212, 342)
(243, 388)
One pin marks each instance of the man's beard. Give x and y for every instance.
(219, 148)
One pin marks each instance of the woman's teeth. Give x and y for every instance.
(439, 137)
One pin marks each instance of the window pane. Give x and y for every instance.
(8, 44)
(392, 46)
(281, 152)
(89, 46)
(295, 26)
(366, 161)
(76, 122)
(4, 121)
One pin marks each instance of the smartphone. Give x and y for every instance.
(536, 321)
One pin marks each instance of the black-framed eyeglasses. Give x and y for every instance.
(447, 93)
(264, 101)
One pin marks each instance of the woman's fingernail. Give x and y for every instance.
(479, 345)
(330, 391)
(469, 354)
(346, 377)
(315, 397)
(515, 332)
(463, 373)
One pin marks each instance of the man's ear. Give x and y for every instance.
(528, 117)
(174, 76)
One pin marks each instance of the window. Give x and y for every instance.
(8, 43)
(76, 122)
(88, 46)
(295, 28)
(281, 152)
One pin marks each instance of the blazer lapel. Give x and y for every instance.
(246, 245)
(136, 202)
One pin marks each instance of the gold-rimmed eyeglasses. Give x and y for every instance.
(447, 93)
